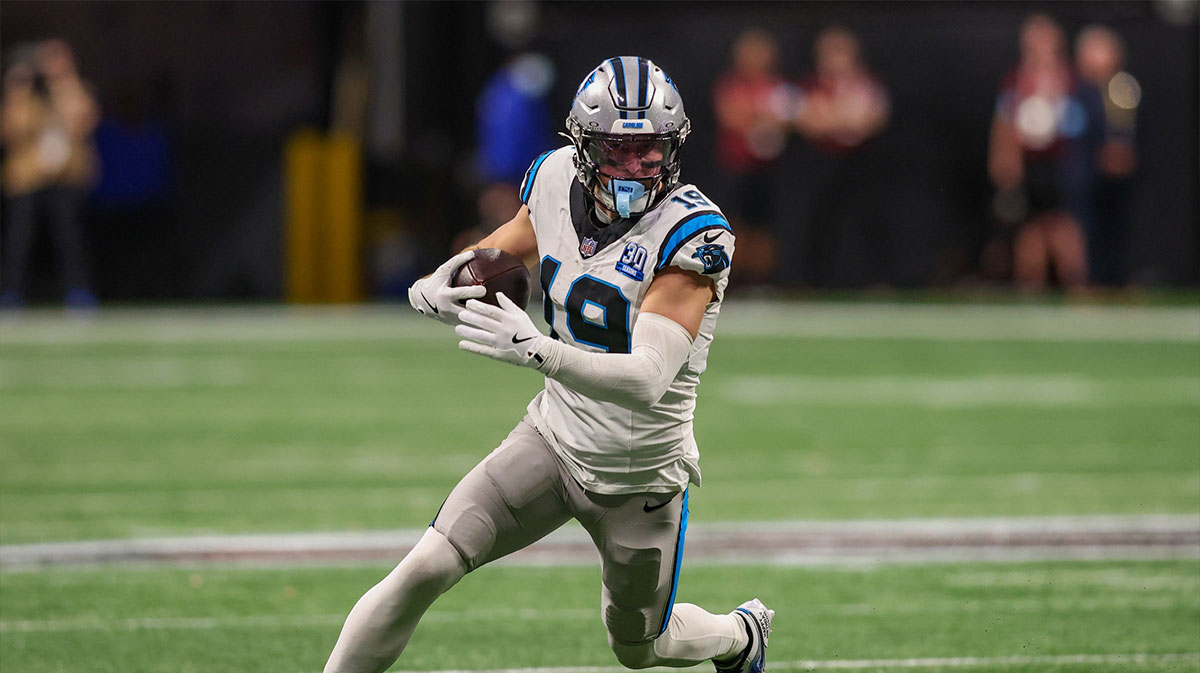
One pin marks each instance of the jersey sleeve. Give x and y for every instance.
(701, 242)
(529, 189)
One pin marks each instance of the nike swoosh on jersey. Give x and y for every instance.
(710, 240)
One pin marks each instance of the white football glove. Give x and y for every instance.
(433, 295)
(503, 332)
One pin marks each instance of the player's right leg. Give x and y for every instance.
(383, 620)
(510, 500)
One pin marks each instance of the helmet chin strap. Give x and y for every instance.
(625, 192)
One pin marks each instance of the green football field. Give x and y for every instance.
(153, 423)
(1094, 616)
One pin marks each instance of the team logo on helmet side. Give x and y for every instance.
(713, 257)
(586, 83)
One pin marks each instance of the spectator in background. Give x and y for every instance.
(132, 200)
(49, 165)
(1043, 125)
(751, 101)
(842, 106)
(512, 116)
(1100, 57)
(512, 127)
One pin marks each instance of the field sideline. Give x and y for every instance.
(943, 322)
(743, 543)
(914, 487)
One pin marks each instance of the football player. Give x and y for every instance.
(633, 269)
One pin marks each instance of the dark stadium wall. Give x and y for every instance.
(239, 77)
(943, 63)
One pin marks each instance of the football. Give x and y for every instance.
(497, 271)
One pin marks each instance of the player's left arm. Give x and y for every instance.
(660, 344)
(680, 295)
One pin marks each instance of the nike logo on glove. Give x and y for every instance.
(714, 237)
(431, 306)
(647, 508)
(518, 341)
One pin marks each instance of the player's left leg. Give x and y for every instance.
(641, 540)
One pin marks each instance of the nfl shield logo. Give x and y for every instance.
(588, 247)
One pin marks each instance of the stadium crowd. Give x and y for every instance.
(1062, 159)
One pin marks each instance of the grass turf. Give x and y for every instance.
(234, 620)
(248, 426)
(149, 424)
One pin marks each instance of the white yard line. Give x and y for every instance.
(951, 322)
(268, 621)
(956, 393)
(962, 322)
(791, 543)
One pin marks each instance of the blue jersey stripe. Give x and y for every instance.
(527, 188)
(686, 229)
(683, 519)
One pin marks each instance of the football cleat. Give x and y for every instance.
(753, 659)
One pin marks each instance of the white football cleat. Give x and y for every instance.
(758, 626)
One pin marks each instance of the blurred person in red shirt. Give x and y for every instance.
(844, 104)
(1044, 121)
(840, 108)
(1100, 59)
(751, 102)
(49, 116)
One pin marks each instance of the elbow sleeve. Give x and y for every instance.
(659, 348)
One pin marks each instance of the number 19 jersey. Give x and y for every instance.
(593, 279)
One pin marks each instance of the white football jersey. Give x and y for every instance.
(594, 278)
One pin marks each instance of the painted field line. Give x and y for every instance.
(962, 322)
(859, 664)
(959, 393)
(959, 322)
(780, 543)
(270, 621)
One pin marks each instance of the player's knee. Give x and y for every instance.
(638, 655)
(631, 574)
(629, 625)
(434, 565)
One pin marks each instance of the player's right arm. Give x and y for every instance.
(433, 295)
(516, 237)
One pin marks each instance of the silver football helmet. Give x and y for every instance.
(627, 124)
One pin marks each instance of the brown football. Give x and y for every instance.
(497, 271)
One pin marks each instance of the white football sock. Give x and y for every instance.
(693, 635)
(383, 620)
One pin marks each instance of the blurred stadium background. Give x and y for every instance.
(919, 465)
(211, 93)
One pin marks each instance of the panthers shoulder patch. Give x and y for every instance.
(713, 257)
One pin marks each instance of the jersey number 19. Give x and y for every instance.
(606, 326)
